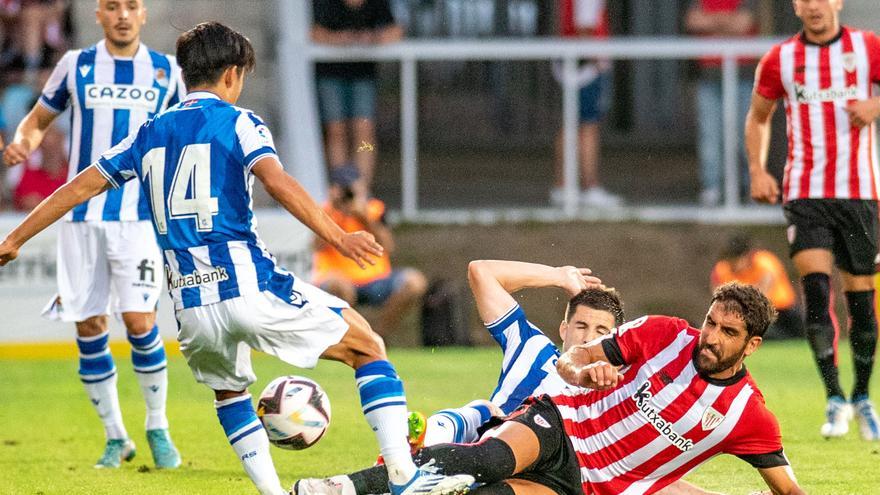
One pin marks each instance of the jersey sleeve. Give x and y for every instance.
(640, 339)
(255, 139)
(872, 44)
(118, 164)
(176, 87)
(55, 95)
(757, 438)
(768, 78)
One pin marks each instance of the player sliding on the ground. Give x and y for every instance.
(196, 164)
(529, 358)
(684, 397)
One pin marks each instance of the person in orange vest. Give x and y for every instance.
(741, 262)
(393, 290)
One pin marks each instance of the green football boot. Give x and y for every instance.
(165, 455)
(116, 451)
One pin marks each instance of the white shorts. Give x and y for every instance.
(217, 339)
(95, 257)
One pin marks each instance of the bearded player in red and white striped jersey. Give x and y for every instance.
(825, 76)
(680, 397)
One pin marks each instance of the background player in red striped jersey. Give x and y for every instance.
(825, 76)
(683, 398)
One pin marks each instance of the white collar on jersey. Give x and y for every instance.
(142, 51)
(201, 95)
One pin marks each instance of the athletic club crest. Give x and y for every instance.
(711, 419)
(849, 61)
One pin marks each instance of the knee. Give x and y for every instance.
(361, 344)
(415, 284)
(91, 327)
(138, 323)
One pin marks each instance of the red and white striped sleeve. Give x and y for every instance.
(768, 79)
(756, 438)
(639, 340)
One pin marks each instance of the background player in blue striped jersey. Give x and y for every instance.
(196, 164)
(107, 243)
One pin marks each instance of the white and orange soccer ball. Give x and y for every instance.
(295, 412)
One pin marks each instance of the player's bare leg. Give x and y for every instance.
(814, 267)
(411, 292)
(98, 374)
(384, 406)
(859, 291)
(514, 486)
(151, 369)
(588, 154)
(336, 134)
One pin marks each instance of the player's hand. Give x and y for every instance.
(15, 153)
(361, 247)
(863, 112)
(764, 187)
(599, 376)
(8, 252)
(576, 280)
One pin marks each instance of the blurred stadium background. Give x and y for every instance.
(468, 110)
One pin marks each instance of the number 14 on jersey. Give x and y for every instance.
(190, 192)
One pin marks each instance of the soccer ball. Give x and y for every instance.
(295, 412)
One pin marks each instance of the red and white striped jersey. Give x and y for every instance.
(827, 157)
(664, 419)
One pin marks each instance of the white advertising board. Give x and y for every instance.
(27, 284)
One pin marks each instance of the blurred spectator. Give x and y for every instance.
(347, 91)
(393, 290)
(35, 34)
(43, 172)
(719, 18)
(586, 18)
(741, 262)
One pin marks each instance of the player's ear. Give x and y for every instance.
(563, 329)
(753, 344)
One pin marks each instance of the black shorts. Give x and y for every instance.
(846, 227)
(557, 466)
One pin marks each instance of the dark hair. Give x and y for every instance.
(737, 246)
(210, 48)
(749, 303)
(598, 299)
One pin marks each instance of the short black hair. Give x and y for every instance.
(749, 303)
(598, 299)
(210, 48)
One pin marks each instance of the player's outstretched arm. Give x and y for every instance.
(588, 366)
(28, 135)
(781, 481)
(359, 246)
(492, 282)
(89, 183)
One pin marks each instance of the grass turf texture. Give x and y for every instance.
(51, 436)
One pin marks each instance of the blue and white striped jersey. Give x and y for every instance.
(109, 99)
(529, 364)
(193, 164)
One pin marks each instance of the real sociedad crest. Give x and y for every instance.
(711, 419)
(849, 61)
(161, 77)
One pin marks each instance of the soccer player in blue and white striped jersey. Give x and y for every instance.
(107, 243)
(196, 164)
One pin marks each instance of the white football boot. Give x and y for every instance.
(838, 413)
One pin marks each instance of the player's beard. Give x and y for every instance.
(708, 367)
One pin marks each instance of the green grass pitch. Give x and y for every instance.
(50, 435)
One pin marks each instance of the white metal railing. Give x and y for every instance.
(409, 53)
